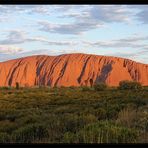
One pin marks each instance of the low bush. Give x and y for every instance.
(65, 115)
(4, 138)
(127, 117)
(30, 133)
(129, 85)
(86, 88)
(100, 86)
(104, 132)
(6, 88)
(69, 137)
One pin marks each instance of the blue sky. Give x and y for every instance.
(112, 30)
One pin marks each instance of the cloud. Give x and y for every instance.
(142, 15)
(4, 56)
(87, 18)
(9, 49)
(57, 43)
(132, 55)
(14, 37)
(51, 52)
(133, 42)
(135, 38)
(18, 37)
(28, 9)
(103, 13)
(138, 52)
(3, 19)
(122, 55)
(109, 13)
(71, 28)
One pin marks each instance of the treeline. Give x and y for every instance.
(125, 84)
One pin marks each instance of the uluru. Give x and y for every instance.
(71, 70)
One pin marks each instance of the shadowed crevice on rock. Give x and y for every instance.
(61, 73)
(11, 74)
(104, 73)
(83, 70)
(40, 65)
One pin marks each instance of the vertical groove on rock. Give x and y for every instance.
(12, 73)
(83, 69)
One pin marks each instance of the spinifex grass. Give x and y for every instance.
(73, 115)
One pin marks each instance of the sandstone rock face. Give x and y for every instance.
(71, 70)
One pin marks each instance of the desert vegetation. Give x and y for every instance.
(96, 114)
(130, 85)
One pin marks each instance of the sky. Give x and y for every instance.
(110, 30)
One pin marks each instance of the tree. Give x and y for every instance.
(129, 85)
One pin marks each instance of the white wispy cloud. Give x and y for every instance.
(88, 18)
(4, 56)
(75, 28)
(142, 15)
(132, 41)
(14, 37)
(28, 9)
(5, 49)
(49, 42)
(18, 37)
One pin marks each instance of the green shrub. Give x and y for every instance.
(72, 87)
(7, 126)
(106, 132)
(2, 116)
(112, 111)
(69, 137)
(11, 117)
(4, 138)
(6, 88)
(29, 119)
(73, 122)
(8, 116)
(30, 133)
(100, 86)
(86, 88)
(126, 117)
(129, 85)
(100, 113)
